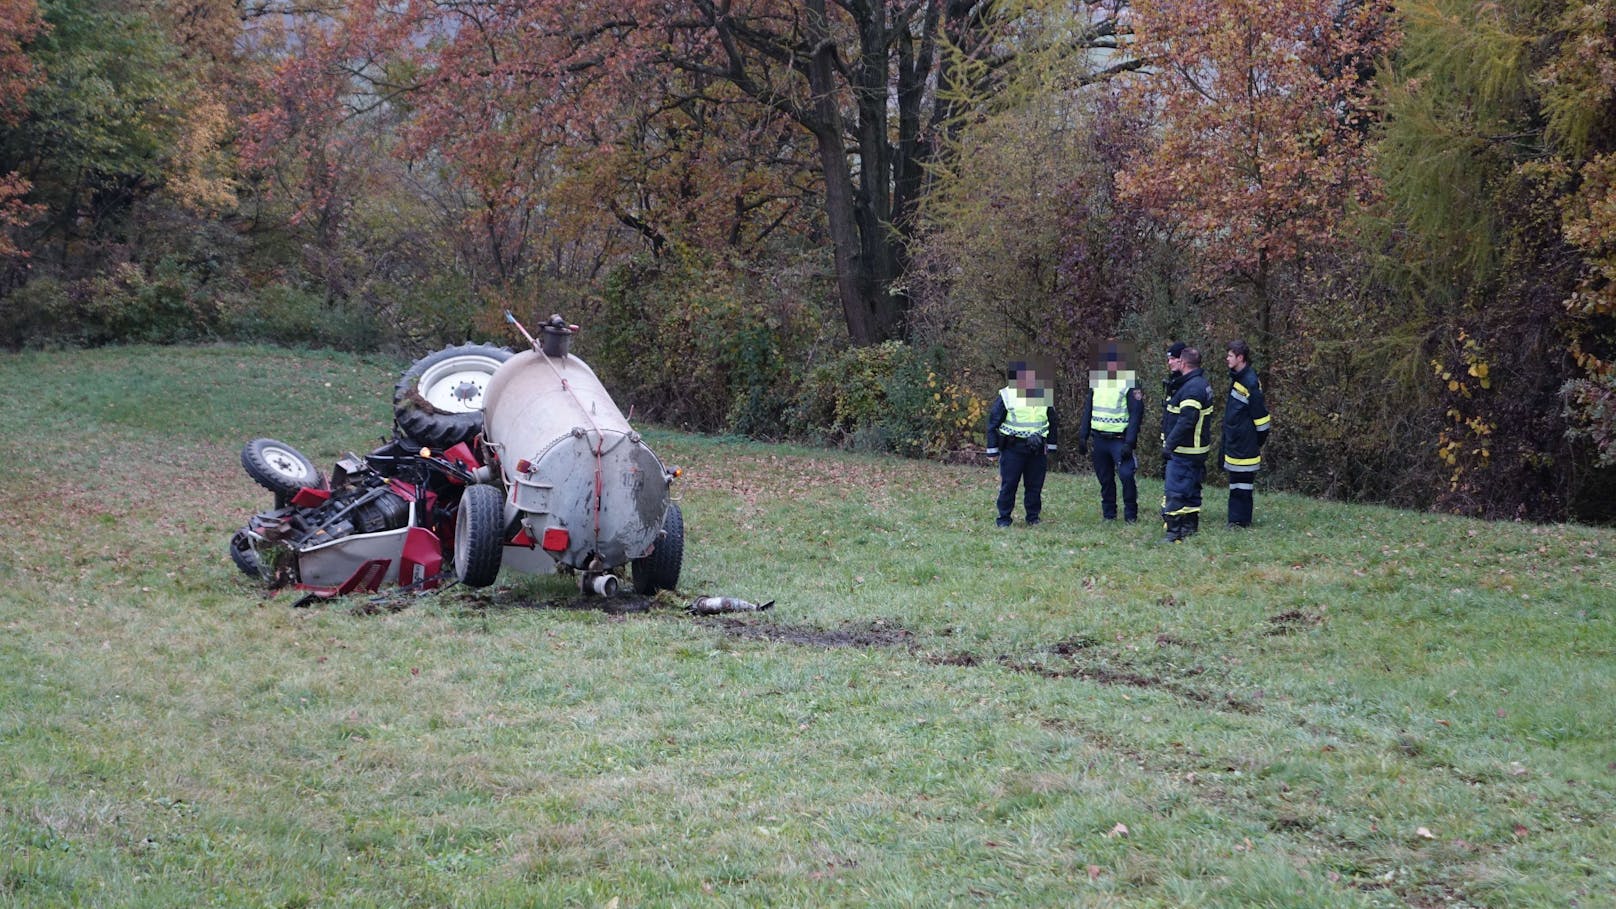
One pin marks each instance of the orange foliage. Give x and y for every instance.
(1262, 113)
(19, 23)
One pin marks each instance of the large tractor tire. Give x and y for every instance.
(660, 569)
(438, 401)
(479, 535)
(279, 468)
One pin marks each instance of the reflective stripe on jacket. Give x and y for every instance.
(1192, 408)
(1245, 423)
(1170, 387)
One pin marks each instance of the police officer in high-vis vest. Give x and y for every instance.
(1245, 428)
(1110, 427)
(1189, 438)
(1021, 433)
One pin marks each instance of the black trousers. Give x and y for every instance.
(1106, 455)
(1026, 470)
(1242, 483)
(1185, 473)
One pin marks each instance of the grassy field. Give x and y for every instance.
(1345, 706)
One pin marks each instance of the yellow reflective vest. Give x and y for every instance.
(1022, 418)
(1108, 405)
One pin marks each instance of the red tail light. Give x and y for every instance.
(555, 539)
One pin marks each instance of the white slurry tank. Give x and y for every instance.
(573, 486)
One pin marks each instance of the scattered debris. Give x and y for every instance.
(718, 605)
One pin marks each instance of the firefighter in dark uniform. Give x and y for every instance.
(1189, 438)
(1110, 425)
(1170, 388)
(1021, 434)
(1245, 428)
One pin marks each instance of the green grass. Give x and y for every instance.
(936, 712)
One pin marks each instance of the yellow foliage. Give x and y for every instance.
(200, 173)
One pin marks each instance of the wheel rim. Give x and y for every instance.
(456, 385)
(286, 463)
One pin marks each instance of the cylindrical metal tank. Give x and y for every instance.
(571, 463)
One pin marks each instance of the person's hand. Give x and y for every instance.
(1127, 453)
(1083, 449)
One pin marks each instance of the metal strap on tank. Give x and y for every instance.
(600, 441)
(600, 437)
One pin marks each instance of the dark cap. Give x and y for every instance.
(1176, 349)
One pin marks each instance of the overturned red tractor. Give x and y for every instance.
(531, 466)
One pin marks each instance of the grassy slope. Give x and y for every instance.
(1345, 706)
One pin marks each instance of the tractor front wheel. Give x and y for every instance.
(279, 468)
(479, 535)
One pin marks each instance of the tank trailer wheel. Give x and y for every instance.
(479, 535)
(660, 569)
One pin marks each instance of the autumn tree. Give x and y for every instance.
(1262, 112)
(1022, 245)
(107, 123)
(1579, 85)
(19, 23)
(856, 89)
(1496, 117)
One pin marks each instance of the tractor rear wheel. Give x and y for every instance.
(438, 401)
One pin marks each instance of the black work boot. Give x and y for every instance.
(1175, 528)
(1191, 526)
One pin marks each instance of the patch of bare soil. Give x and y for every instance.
(1078, 665)
(622, 604)
(1292, 621)
(872, 634)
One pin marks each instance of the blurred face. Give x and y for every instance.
(1174, 364)
(1234, 360)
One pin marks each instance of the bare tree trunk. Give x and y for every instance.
(852, 284)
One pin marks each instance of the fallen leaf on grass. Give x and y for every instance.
(1118, 830)
(1424, 834)
(1094, 872)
